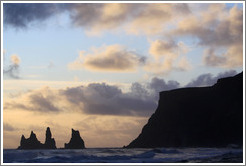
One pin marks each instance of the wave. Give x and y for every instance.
(120, 155)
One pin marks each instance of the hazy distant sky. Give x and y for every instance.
(99, 68)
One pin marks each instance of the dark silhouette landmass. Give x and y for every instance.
(49, 141)
(76, 142)
(33, 143)
(196, 117)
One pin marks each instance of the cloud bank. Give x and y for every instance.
(103, 99)
(209, 79)
(216, 28)
(113, 58)
(97, 16)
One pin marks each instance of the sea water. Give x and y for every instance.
(120, 155)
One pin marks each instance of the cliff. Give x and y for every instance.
(76, 142)
(196, 117)
(33, 143)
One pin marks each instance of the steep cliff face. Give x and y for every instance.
(196, 117)
(33, 143)
(76, 142)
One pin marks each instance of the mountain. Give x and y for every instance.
(196, 117)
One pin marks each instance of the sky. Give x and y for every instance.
(99, 67)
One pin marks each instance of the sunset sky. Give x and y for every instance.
(99, 67)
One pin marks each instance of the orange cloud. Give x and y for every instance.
(230, 59)
(216, 29)
(113, 58)
(167, 56)
(15, 59)
(133, 18)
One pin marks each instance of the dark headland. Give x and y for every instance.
(196, 117)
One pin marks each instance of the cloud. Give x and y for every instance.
(103, 99)
(133, 18)
(113, 58)
(214, 26)
(15, 59)
(41, 100)
(208, 79)
(8, 127)
(157, 85)
(183, 64)
(150, 19)
(168, 56)
(42, 103)
(21, 15)
(100, 98)
(211, 59)
(230, 59)
(216, 29)
(161, 48)
(98, 17)
(95, 98)
(13, 69)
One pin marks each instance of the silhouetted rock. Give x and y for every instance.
(33, 143)
(196, 117)
(30, 143)
(49, 142)
(76, 142)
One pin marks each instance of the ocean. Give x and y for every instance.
(120, 155)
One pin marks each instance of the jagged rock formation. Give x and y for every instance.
(33, 143)
(196, 117)
(30, 143)
(76, 142)
(49, 141)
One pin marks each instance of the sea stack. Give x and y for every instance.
(196, 117)
(33, 143)
(30, 143)
(76, 142)
(49, 141)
